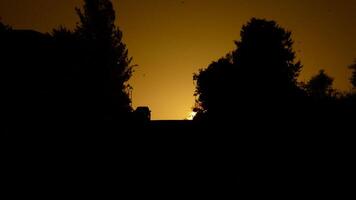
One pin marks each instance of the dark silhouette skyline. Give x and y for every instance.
(84, 73)
(259, 131)
(170, 39)
(259, 79)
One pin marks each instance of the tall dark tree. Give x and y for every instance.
(261, 71)
(320, 86)
(265, 57)
(106, 56)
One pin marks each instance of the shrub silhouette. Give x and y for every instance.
(212, 84)
(320, 86)
(353, 77)
(4, 28)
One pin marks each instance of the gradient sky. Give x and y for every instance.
(171, 39)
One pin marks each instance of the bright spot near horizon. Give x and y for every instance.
(191, 115)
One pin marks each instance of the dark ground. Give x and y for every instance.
(179, 159)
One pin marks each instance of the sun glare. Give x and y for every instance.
(191, 115)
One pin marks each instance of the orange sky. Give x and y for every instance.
(171, 39)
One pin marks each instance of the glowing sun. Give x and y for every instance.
(191, 115)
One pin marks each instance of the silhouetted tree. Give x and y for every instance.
(212, 84)
(353, 77)
(106, 57)
(320, 86)
(261, 71)
(350, 99)
(265, 57)
(67, 76)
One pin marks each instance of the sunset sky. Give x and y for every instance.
(171, 39)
